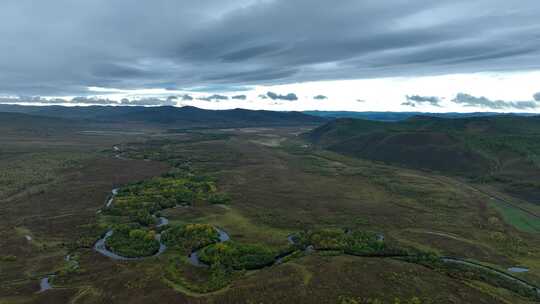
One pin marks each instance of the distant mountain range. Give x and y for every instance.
(171, 116)
(397, 116)
(238, 117)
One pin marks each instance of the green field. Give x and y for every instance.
(518, 218)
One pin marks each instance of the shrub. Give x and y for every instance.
(237, 256)
(8, 258)
(133, 243)
(144, 218)
(219, 198)
(323, 239)
(364, 243)
(190, 237)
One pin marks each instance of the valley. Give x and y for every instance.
(273, 214)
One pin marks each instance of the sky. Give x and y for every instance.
(369, 55)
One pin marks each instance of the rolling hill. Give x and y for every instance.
(495, 149)
(173, 116)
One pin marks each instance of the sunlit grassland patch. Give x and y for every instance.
(241, 227)
(517, 218)
(195, 282)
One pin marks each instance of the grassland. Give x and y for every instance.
(518, 218)
(272, 190)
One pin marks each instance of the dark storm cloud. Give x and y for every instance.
(250, 52)
(117, 71)
(274, 96)
(57, 48)
(256, 75)
(320, 97)
(413, 100)
(241, 97)
(483, 102)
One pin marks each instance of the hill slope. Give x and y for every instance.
(502, 149)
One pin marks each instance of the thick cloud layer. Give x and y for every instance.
(483, 102)
(61, 47)
(82, 100)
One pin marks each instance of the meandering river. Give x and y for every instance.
(193, 257)
(194, 260)
(101, 246)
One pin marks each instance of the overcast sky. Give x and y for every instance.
(425, 55)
